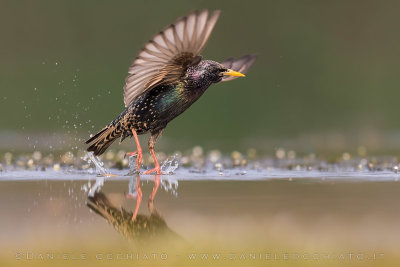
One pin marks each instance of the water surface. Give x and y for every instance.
(281, 220)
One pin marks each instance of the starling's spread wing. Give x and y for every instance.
(165, 58)
(241, 65)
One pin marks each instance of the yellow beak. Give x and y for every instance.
(230, 72)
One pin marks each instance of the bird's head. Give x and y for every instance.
(209, 71)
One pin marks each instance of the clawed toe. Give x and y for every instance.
(128, 154)
(155, 170)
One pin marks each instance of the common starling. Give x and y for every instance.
(165, 79)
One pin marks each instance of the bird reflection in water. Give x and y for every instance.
(132, 225)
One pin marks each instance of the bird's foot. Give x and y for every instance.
(128, 154)
(156, 170)
(138, 159)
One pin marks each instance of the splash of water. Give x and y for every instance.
(169, 184)
(97, 186)
(167, 167)
(100, 170)
(170, 165)
(132, 165)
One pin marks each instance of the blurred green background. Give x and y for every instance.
(324, 68)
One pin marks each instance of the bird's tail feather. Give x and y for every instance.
(103, 139)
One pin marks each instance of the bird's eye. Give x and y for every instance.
(222, 69)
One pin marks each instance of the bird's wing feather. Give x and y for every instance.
(165, 58)
(241, 65)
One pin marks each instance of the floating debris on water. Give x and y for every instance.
(198, 162)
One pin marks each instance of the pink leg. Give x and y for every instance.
(138, 197)
(138, 152)
(157, 168)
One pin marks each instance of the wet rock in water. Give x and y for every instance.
(30, 164)
(214, 156)
(371, 166)
(21, 162)
(119, 165)
(396, 169)
(56, 167)
(280, 153)
(185, 161)
(37, 156)
(48, 160)
(110, 155)
(8, 158)
(219, 167)
(252, 153)
(237, 158)
(67, 158)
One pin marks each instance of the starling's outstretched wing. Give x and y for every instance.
(165, 58)
(241, 65)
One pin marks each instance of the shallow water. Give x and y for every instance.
(256, 218)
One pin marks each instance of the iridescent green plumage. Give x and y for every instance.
(165, 79)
